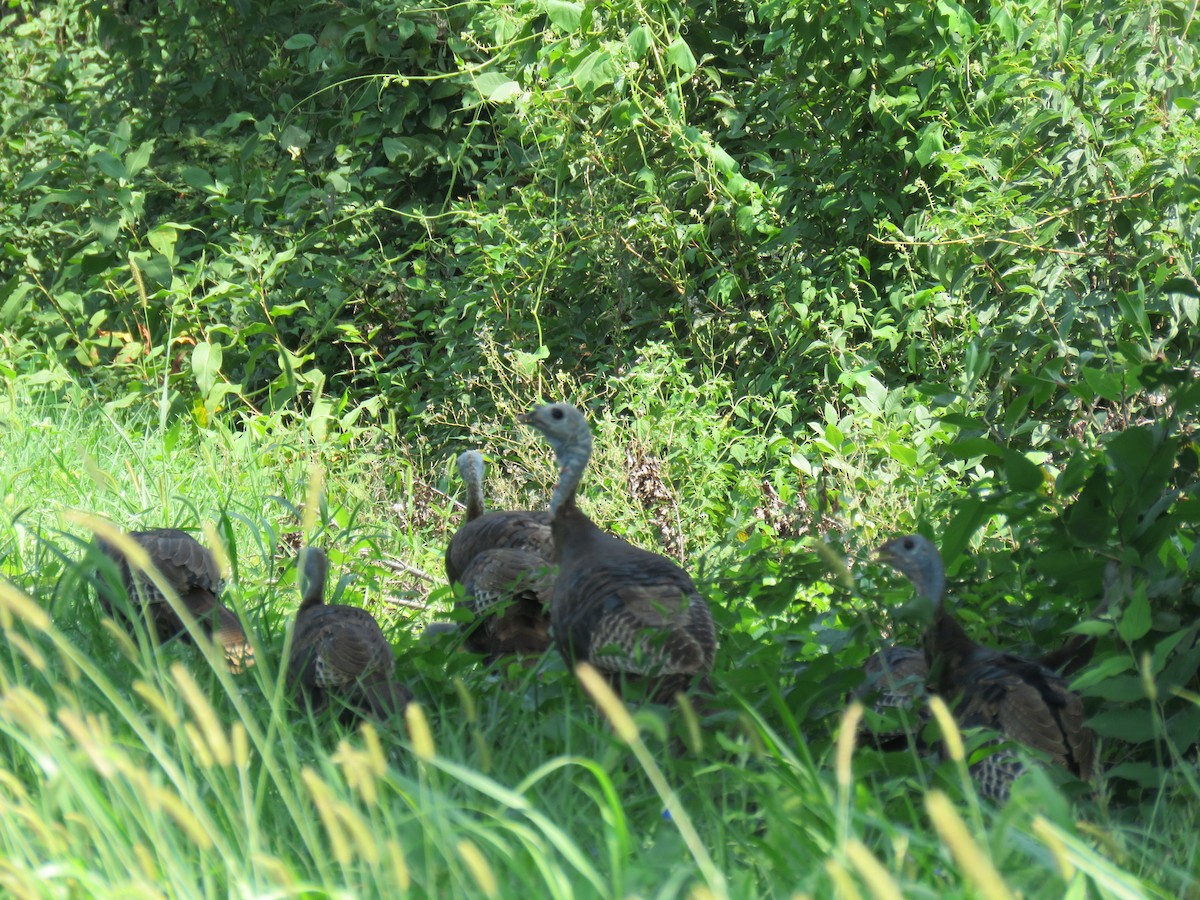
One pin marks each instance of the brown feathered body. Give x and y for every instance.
(340, 651)
(894, 678)
(627, 611)
(1020, 698)
(502, 559)
(191, 572)
(897, 677)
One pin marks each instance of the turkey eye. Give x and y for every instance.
(908, 544)
(556, 413)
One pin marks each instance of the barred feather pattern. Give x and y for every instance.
(1019, 698)
(340, 651)
(502, 560)
(895, 679)
(191, 571)
(626, 610)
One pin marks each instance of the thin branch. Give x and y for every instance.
(389, 600)
(1045, 220)
(398, 566)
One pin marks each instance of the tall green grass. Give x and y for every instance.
(129, 769)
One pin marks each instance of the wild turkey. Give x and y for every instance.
(625, 610)
(502, 560)
(340, 651)
(1019, 698)
(895, 678)
(190, 569)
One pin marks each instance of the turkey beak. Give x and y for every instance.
(526, 418)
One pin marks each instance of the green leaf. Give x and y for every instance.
(1184, 728)
(639, 41)
(1185, 286)
(294, 138)
(194, 176)
(206, 365)
(1133, 306)
(1143, 458)
(679, 55)
(527, 363)
(163, 240)
(35, 177)
(1102, 671)
(564, 15)
(1121, 689)
(1004, 24)
(595, 70)
(1129, 452)
(136, 160)
(1069, 565)
(123, 402)
(1145, 774)
(1022, 475)
(107, 230)
(932, 143)
(1164, 648)
(111, 166)
(299, 42)
(13, 293)
(747, 219)
(397, 149)
(155, 267)
(724, 163)
(1136, 620)
(1109, 385)
(1133, 726)
(969, 516)
(496, 88)
(1089, 518)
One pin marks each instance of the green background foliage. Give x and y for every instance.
(825, 271)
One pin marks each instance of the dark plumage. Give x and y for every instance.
(625, 610)
(341, 651)
(191, 571)
(1019, 698)
(502, 560)
(895, 678)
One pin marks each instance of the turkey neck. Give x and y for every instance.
(312, 576)
(471, 470)
(573, 456)
(572, 530)
(947, 646)
(948, 649)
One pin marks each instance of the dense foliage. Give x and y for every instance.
(821, 271)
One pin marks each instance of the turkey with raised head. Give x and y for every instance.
(1020, 698)
(191, 572)
(502, 561)
(340, 651)
(627, 611)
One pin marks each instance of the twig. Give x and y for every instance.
(407, 604)
(398, 566)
